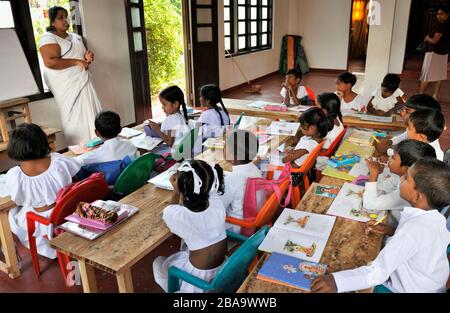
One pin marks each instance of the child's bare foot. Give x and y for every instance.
(436, 97)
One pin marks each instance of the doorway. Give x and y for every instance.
(359, 36)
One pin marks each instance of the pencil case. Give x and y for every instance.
(94, 142)
(343, 160)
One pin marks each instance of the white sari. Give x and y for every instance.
(73, 90)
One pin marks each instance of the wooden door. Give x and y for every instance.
(204, 45)
(138, 57)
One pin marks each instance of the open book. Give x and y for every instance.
(162, 181)
(92, 229)
(299, 234)
(128, 133)
(289, 271)
(145, 142)
(361, 137)
(349, 204)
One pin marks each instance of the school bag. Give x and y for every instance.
(111, 170)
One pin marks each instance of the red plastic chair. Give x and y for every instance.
(311, 95)
(335, 145)
(265, 214)
(91, 189)
(304, 169)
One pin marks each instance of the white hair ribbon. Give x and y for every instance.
(186, 167)
(390, 152)
(216, 185)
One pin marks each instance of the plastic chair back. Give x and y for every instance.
(135, 175)
(311, 95)
(91, 189)
(234, 270)
(335, 145)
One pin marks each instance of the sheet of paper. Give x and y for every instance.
(381, 119)
(146, 142)
(129, 133)
(283, 129)
(299, 108)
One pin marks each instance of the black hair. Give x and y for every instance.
(213, 94)
(348, 78)
(411, 151)
(244, 145)
(107, 123)
(423, 102)
(429, 123)
(391, 82)
(331, 103)
(432, 178)
(296, 73)
(315, 116)
(53, 14)
(200, 202)
(175, 94)
(445, 8)
(28, 142)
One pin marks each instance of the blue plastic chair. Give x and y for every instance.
(233, 271)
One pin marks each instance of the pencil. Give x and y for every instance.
(384, 217)
(376, 139)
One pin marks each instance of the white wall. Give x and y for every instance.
(257, 64)
(400, 34)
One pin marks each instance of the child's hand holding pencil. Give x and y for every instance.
(377, 228)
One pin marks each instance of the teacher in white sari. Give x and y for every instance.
(68, 78)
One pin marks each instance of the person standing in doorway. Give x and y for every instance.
(436, 60)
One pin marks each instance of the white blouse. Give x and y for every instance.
(308, 144)
(211, 124)
(198, 229)
(40, 191)
(333, 134)
(350, 107)
(175, 123)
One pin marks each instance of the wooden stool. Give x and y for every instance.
(10, 111)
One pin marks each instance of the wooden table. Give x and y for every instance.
(347, 248)
(10, 266)
(51, 136)
(353, 121)
(119, 249)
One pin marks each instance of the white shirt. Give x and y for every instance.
(198, 230)
(437, 147)
(397, 139)
(235, 187)
(301, 93)
(212, 126)
(114, 149)
(40, 191)
(308, 144)
(175, 123)
(385, 104)
(333, 134)
(388, 182)
(374, 200)
(350, 107)
(414, 260)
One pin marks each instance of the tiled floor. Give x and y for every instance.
(51, 280)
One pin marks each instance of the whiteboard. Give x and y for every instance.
(16, 78)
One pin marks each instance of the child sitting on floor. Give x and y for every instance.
(314, 129)
(199, 221)
(331, 105)
(351, 102)
(387, 99)
(35, 183)
(415, 258)
(414, 103)
(427, 126)
(107, 127)
(293, 92)
(215, 119)
(241, 148)
(405, 155)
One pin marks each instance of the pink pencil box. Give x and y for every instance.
(279, 108)
(122, 214)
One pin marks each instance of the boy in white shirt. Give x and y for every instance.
(107, 127)
(415, 259)
(405, 155)
(427, 126)
(414, 103)
(293, 92)
(241, 148)
(387, 99)
(351, 102)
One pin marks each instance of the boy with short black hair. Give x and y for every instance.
(388, 99)
(351, 102)
(293, 92)
(108, 128)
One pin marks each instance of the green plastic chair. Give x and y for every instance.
(238, 122)
(187, 142)
(135, 175)
(233, 271)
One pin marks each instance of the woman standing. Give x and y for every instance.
(435, 63)
(67, 62)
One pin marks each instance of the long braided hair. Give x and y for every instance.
(213, 94)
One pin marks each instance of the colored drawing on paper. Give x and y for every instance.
(364, 213)
(327, 191)
(312, 270)
(293, 247)
(300, 222)
(358, 194)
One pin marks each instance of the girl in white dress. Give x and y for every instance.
(199, 221)
(35, 183)
(66, 74)
(214, 119)
(351, 102)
